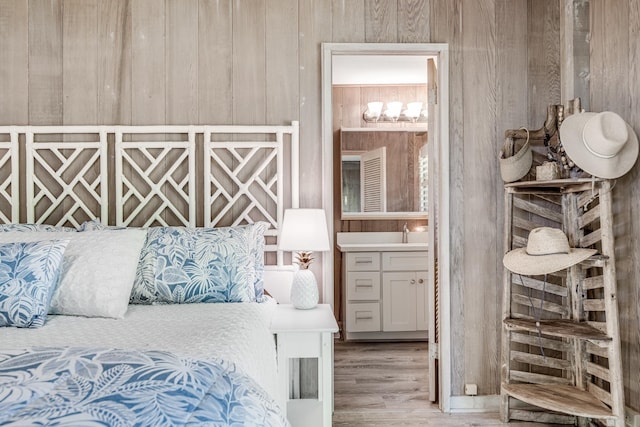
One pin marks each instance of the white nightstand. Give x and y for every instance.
(306, 334)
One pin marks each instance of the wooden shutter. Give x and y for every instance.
(373, 180)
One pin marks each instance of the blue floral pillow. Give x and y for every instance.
(34, 227)
(186, 265)
(28, 277)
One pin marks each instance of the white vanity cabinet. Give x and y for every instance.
(385, 291)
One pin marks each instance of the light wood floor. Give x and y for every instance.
(386, 384)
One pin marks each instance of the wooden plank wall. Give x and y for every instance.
(614, 86)
(241, 62)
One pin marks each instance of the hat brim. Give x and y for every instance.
(520, 262)
(571, 138)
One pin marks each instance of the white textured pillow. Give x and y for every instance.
(98, 270)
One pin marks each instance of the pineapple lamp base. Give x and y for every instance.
(304, 290)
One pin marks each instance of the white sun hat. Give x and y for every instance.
(601, 144)
(547, 251)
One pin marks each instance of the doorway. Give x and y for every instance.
(438, 178)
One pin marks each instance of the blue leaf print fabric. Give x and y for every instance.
(34, 227)
(28, 276)
(109, 387)
(185, 265)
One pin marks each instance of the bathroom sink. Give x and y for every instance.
(382, 241)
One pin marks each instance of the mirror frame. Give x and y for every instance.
(417, 49)
(348, 216)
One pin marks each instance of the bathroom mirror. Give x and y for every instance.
(383, 171)
(380, 116)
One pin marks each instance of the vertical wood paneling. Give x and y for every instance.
(511, 96)
(381, 21)
(215, 65)
(148, 62)
(480, 192)
(249, 84)
(347, 21)
(281, 61)
(615, 61)
(14, 36)
(544, 59)
(414, 21)
(114, 62)
(181, 56)
(630, 285)
(45, 62)
(80, 62)
(315, 28)
(447, 28)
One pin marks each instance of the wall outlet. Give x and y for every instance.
(471, 389)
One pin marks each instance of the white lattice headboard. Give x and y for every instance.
(149, 175)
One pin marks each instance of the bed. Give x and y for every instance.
(146, 251)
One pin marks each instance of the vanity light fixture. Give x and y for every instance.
(394, 112)
(304, 230)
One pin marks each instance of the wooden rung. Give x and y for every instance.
(558, 328)
(547, 343)
(524, 224)
(536, 209)
(598, 350)
(562, 398)
(599, 371)
(601, 394)
(538, 285)
(594, 282)
(588, 217)
(593, 305)
(534, 359)
(594, 261)
(546, 305)
(600, 326)
(531, 378)
(541, 417)
(518, 242)
(590, 239)
(588, 195)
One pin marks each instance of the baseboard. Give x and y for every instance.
(491, 403)
(463, 404)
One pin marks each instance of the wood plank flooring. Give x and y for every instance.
(386, 384)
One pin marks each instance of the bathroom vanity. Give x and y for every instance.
(385, 289)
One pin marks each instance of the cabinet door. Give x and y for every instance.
(399, 292)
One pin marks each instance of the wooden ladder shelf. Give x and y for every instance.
(561, 359)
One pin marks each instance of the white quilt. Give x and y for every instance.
(237, 332)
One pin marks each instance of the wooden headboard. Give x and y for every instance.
(150, 175)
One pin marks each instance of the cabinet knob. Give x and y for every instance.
(421, 281)
(413, 281)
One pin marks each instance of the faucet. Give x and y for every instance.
(405, 233)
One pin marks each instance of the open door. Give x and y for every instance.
(433, 197)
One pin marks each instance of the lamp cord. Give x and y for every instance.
(538, 316)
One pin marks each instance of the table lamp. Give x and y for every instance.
(304, 231)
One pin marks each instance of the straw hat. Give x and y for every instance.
(547, 251)
(602, 144)
(517, 166)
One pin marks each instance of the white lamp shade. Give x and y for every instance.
(304, 230)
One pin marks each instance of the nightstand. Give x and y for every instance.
(306, 334)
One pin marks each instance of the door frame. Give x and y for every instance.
(441, 51)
